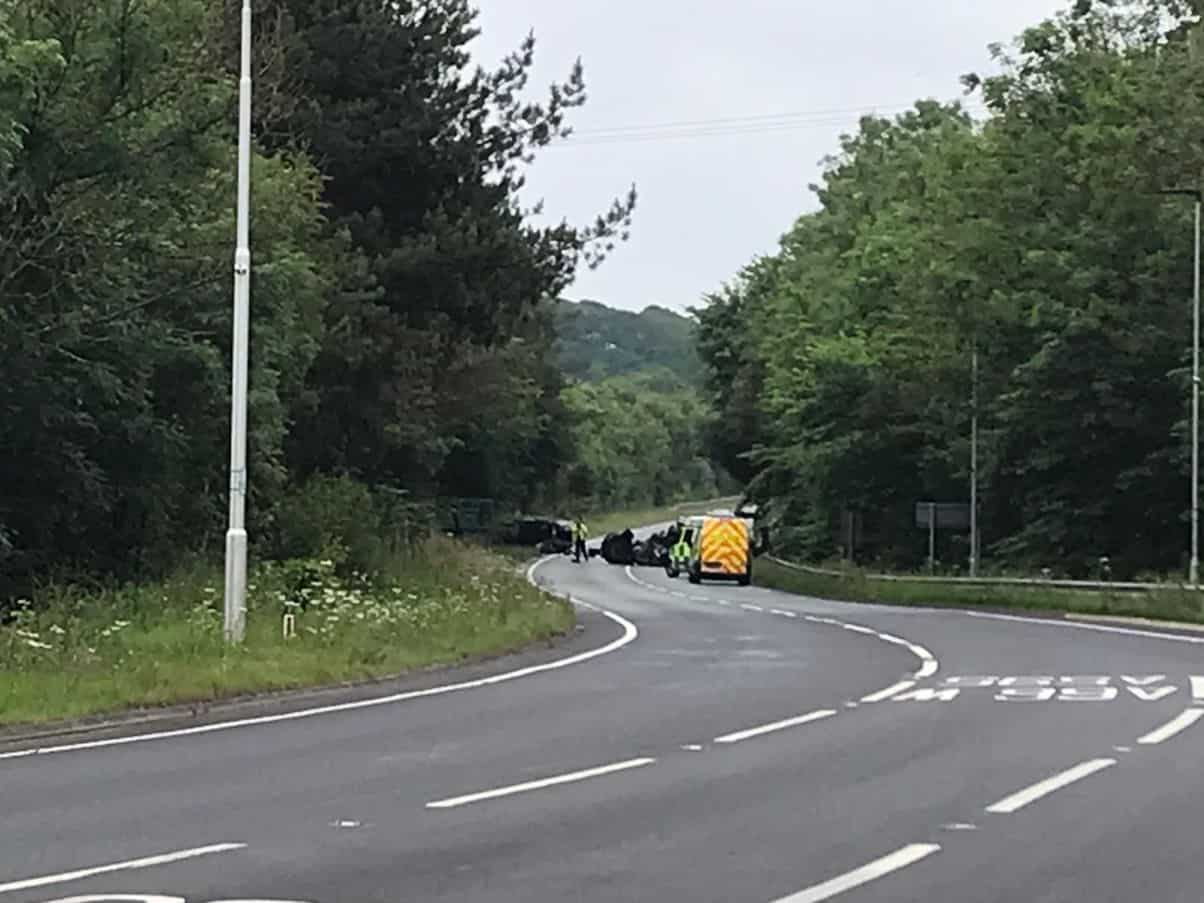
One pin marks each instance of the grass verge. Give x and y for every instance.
(1166, 605)
(609, 522)
(71, 654)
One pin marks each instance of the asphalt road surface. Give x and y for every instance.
(709, 743)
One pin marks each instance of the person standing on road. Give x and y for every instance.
(579, 533)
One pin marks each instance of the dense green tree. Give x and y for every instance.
(403, 314)
(638, 440)
(423, 157)
(114, 298)
(1036, 242)
(596, 342)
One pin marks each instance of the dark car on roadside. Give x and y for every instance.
(548, 535)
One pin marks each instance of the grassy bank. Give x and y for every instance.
(72, 653)
(1170, 604)
(608, 522)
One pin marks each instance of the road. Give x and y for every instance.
(709, 743)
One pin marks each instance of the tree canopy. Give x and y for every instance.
(1036, 240)
(402, 298)
(595, 342)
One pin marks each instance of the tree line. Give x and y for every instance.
(403, 301)
(1034, 242)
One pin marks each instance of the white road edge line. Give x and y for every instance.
(630, 634)
(908, 855)
(783, 613)
(540, 784)
(130, 864)
(889, 691)
(775, 726)
(857, 628)
(1075, 625)
(748, 607)
(1180, 722)
(1022, 798)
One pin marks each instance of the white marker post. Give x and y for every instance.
(236, 535)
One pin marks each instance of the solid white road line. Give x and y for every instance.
(1074, 625)
(783, 613)
(856, 628)
(144, 863)
(1042, 788)
(908, 855)
(921, 651)
(927, 669)
(630, 633)
(1179, 723)
(775, 726)
(748, 607)
(540, 784)
(1197, 687)
(889, 691)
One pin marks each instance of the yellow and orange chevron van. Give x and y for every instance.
(722, 550)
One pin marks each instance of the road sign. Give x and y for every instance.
(949, 515)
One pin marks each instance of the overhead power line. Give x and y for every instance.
(732, 125)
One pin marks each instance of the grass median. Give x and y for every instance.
(71, 653)
(1171, 604)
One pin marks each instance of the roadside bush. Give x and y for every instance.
(336, 518)
(77, 653)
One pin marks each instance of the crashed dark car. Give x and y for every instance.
(549, 535)
(651, 552)
(617, 548)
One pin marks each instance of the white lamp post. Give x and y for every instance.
(236, 535)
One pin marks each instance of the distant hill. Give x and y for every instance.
(596, 342)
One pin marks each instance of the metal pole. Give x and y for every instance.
(236, 535)
(1194, 575)
(974, 462)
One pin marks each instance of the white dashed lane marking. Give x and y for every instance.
(1177, 724)
(775, 726)
(908, 855)
(928, 662)
(540, 784)
(1022, 798)
(128, 865)
(889, 691)
(857, 628)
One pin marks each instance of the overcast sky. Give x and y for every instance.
(709, 204)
